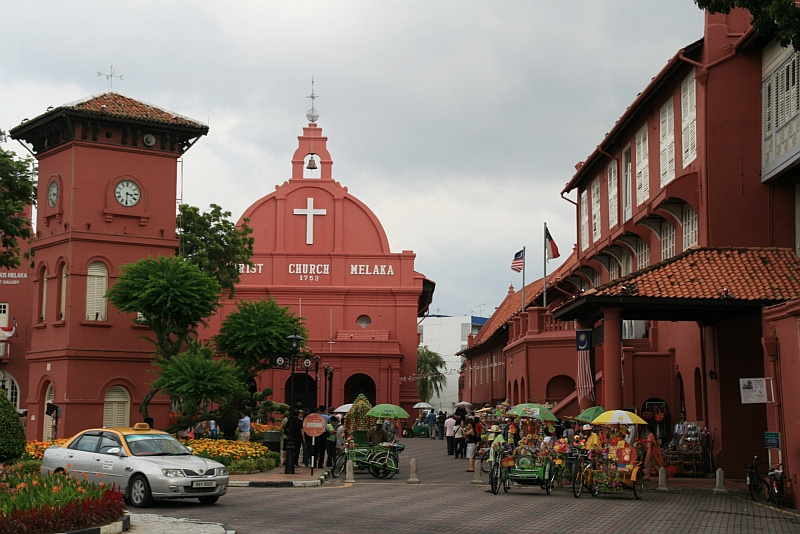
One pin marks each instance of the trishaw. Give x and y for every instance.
(381, 460)
(523, 469)
(608, 470)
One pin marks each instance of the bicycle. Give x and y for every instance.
(776, 485)
(757, 486)
(380, 460)
(582, 475)
(499, 474)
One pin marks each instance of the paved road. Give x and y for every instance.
(447, 501)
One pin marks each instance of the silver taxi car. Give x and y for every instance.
(146, 464)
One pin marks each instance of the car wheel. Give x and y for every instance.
(140, 492)
(208, 499)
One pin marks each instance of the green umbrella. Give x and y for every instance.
(388, 411)
(590, 414)
(531, 409)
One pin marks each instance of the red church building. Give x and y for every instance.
(107, 192)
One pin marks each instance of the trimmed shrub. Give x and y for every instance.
(12, 438)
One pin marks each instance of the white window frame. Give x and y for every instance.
(96, 287)
(3, 322)
(667, 142)
(627, 264)
(613, 195)
(62, 297)
(117, 407)
(642, 167)
(642, 254)
(689, 119)
(689, 221)
(667, 240)
(584, 211)
(596, 219)
(627, 190)
(597, 278)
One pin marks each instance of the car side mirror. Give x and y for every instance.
(116, 451)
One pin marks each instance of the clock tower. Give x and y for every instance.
(107, 197)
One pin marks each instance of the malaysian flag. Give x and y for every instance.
(585, 386)
(519, 261)
(550, 247)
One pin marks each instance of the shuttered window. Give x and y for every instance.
(584, 219)
(688, 119)
(642, 254)
(62, 293)
(689, 227)
(96, 286)
(613, 195)
(596, 210)
(43, 294)
(642, 167)
(667, 240)
(117, 407)
(667, 142)
(627, 210)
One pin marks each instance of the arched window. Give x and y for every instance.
(62, 292)
(689, 227)
(642, 254)
(117, 407)
(42, 294)
(96, 286)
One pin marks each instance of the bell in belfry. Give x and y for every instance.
(312, 164)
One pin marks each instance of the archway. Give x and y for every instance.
(305, 392)
(558, 388)
(359, 383)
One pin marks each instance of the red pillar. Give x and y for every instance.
(612, 365)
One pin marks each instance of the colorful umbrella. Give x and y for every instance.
(590, 414)
(618, 417)
(531, 409)
(388, 411)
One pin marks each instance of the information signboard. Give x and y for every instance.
(772, 440)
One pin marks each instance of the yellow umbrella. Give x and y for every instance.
(618, 417)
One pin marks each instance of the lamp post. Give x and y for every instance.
(328, 377)
(289, 448)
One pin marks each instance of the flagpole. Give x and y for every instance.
(523, 279)
(544, 291)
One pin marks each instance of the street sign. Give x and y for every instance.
(314, 425)
(772, 440)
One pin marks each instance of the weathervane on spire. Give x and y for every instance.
(312, 115)
(110, 77)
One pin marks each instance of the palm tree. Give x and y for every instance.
(430, 379)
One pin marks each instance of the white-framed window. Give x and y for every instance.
(667, 240)
(613, 269)
(597, 278)
(3, 322)
(117, 407)
(613, 195)
(667, 142)
(780, 100)
(627, 264)
(627, 190)
(584, 207)
(688, 119)
(689, 227)
(642, 254)
(62, 292)
(43, 294)
(642, 167)
(96, 286)
(596, 209)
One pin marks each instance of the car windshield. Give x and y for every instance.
(155, 445)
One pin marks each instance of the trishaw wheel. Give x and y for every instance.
(638, 486)
(594, 489)
(486, 465)
(577, 484)
(506, 480)
(386, 468)
(494, 478)
(423, 433)
(339, 464)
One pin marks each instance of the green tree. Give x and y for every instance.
(256, 333)
(12, 438)
(212, 242)
(195, 377)
(173, 296)
(776, 18)
(430, 379)
(17, 190)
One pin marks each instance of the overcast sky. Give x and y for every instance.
(457, 122)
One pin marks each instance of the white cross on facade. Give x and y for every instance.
(309, 212)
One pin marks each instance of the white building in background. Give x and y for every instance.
(447, 336)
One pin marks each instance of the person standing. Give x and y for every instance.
(377, 434)
(458, 437)
(212, 428)
(228, 425)
(432, 424)
(449, 426)
(330, 443)
(244, 427)
(321, 442)
(472, 442)
(440, 419)
(653, 455)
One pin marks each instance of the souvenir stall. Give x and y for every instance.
(688, 451)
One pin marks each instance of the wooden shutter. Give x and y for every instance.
(613, 195)
(596, 230)
(688, 119)
(116, 410)
(96, 285)
(667, 142)
(642, 167)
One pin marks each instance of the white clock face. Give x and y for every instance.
(52, 193)
(127, 193)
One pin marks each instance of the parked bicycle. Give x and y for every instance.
(776, 485)
(756, 484)
(583, 475)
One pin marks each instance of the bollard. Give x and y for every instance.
(414, 477)
(476, 477)
(349, 477)
(720, 481)
(662, 479)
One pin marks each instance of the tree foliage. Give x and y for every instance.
(195, 377)
(12, 438)
(256, 334)
(214, 243)
(430, 379)
(172, 295)
(772, 18)
(17, 190)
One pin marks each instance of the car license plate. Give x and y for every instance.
(204, 483)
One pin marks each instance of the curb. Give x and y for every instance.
(281, 483)
(122, 525)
